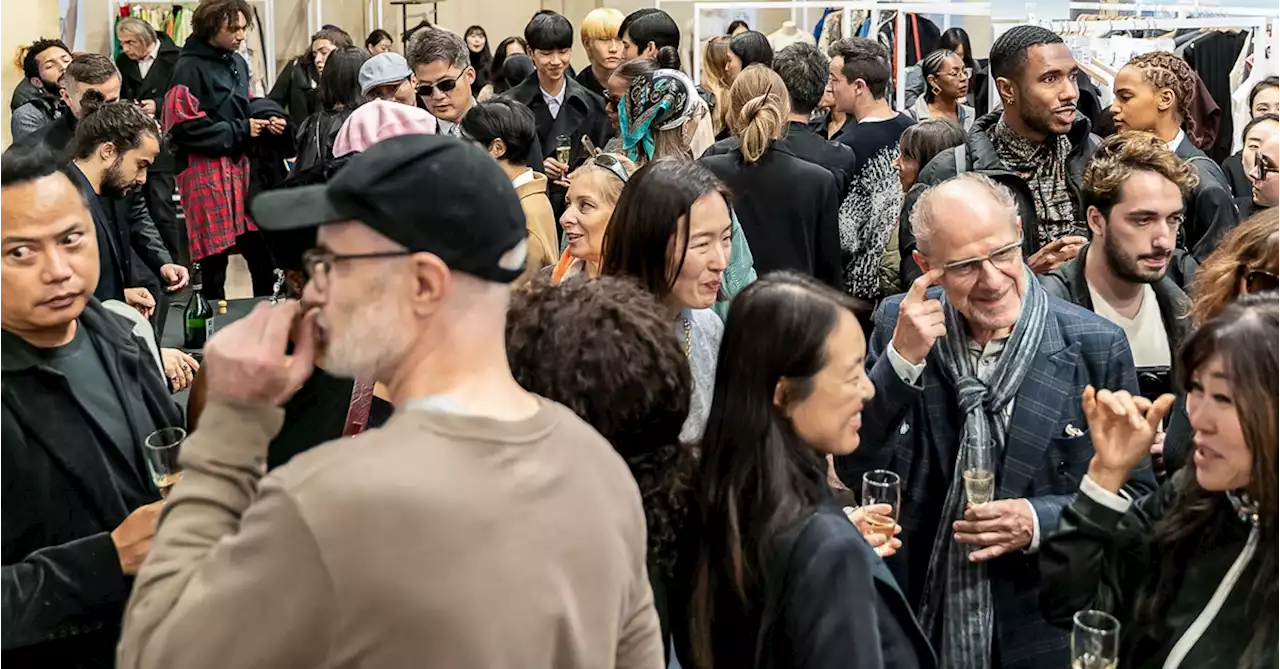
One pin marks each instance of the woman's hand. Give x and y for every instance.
(883, 545)
(1123, 428)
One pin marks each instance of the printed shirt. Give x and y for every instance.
(1044, 167)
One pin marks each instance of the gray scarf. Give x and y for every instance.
(958, 590)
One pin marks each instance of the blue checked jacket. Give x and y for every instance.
(915, 431)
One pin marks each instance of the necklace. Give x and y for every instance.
(688, 338)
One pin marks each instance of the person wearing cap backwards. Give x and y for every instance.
(482, 526)
(387, 76)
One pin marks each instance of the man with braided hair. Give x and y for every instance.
(1037, 146)
(1153, 93)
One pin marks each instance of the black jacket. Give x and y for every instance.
(210, 87)
(787, 207)
(1100, 558)
(315, 139)
(1211, 210)
(837, 605)
(268, 153)
(64, 593)
(124, 229)
(1233, 168)
(134, 86)
(295, 91)
(982, 158)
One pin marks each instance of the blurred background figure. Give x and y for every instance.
(481, 57)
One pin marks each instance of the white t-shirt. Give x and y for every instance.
(1145, 332)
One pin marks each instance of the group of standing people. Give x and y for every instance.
(664, 326)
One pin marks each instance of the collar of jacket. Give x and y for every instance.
(1174, 305)
(199, 48)
(167, 47)
(982, 153)
(95, 319)
(530, 90)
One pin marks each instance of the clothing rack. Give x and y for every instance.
(266, 25)
(846, 27)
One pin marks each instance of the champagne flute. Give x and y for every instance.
(979, 474)
(162, 448)
(1095, 640)
(881, 486)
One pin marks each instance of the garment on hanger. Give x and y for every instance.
(1212, 56)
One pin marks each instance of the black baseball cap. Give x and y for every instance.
(428, 193)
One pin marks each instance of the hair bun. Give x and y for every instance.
(91, 101)
(668, 57)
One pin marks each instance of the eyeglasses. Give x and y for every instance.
(445, 86)
(612, 164)
(1257, 280)
(963, 74)
(318, 262)
(1261, 168)
(1005, 257)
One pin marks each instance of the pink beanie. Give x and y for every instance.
(377, 120)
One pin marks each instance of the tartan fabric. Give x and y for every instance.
(214, 193)
(915, 431)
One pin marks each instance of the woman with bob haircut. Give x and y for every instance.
(1190, 569)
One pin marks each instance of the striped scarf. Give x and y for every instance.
(956, 589)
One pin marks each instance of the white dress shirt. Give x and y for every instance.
(554, 102)
(144, 65)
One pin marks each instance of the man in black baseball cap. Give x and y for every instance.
(514, 509)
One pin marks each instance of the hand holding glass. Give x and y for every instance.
(979, 474)
(881, 487)
(1095, 640)
(162, 448)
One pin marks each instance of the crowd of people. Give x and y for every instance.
(588, 368)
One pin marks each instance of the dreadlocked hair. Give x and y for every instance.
(1162, 69)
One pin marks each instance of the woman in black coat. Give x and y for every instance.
(1190, 569)
(772, 573)
(787, 206)
(295, 88)
(339, 96)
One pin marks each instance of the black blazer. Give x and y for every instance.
(787, 207)
(134, 86)
(64, 593)
(1211, 209)
(837, 606)
(125, 230)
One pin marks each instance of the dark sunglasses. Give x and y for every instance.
(1258, 280)
(612, 164)
(446, 86)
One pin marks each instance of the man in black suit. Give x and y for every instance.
(803, 69)
(561, 106)
(80, 392)
(146, 62)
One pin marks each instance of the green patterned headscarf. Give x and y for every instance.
(658, 100)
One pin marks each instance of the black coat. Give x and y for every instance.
(1233, 168)
(134, 86)
(64, 592)
(1101, 558)
(838, 606)
(1211, 210)
(295, 91)
(211, 88)
(125, 232)
(808, 144)
(787, 207)
(981, 157)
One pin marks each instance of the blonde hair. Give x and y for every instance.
(760, 109)
(612, 184)
(716, 57)
(601, 23)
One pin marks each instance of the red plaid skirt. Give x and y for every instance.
(214, 193)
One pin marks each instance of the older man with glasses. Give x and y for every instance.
(976, 355)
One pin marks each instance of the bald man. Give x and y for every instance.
(977, 354)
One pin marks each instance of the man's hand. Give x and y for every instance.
(256, 126)
(277, 126)
(920, 320)
(148, 106)
(1000, 526)
(246, 363)
(1123, 428)
(883, 546)
(1055, 253)
(556, 170)
(176, 276)
(179, 367)
(133, 538)
(140, 299)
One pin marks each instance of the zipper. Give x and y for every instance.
(1202, 621)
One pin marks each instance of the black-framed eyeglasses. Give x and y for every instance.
(1257, 280)
(317, 263)
(612, 164)
(1005, 257)
(445, 86)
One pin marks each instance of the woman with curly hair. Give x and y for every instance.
(603, 348)
(1153, 93)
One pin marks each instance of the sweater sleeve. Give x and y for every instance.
(191, 129)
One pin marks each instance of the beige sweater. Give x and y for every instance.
(439, 540)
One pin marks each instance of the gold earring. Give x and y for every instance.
(936, 90)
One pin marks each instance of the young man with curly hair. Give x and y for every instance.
(1153, 93)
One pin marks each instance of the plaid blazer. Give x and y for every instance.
(915, 431)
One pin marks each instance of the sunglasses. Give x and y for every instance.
(446, 86)
(1257, 280)
(612, 164)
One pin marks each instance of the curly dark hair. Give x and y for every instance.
(1119, 156)
(1162, 69)
(31, 69)
(122, 124)
(604, 348)
(211, 15)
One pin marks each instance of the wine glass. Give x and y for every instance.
(881, 486)
(1095, 640)
(979, 474)
(162, 448)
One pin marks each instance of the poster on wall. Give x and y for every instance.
(70, 30)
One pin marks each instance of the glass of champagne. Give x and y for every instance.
(1095, 640)
(162, 448)
(564, 146)
(979, 474)
(881, 486)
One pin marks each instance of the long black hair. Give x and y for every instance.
(752, 47)
(340, 83)
(757, 476)
(954, 38)
(481, 61)
(375, 38)
(500, 55)
(654, 206)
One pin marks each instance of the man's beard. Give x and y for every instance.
(1128, 268)
(114, 184)
(52, 89)
(373, 339)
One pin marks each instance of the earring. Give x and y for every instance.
(936, 90)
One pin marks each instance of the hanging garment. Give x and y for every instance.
(1208, 118)
(1212, 56)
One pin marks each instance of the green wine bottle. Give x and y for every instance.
(198, 316)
